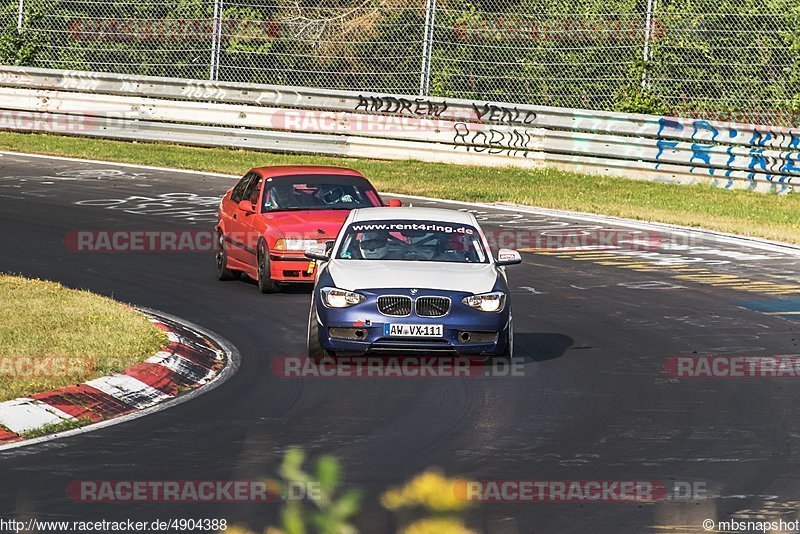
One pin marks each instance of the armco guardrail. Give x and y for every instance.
(370, 125)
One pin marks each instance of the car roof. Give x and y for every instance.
(276, 171)
(413, 214)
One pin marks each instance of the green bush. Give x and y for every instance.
(737, 59)
(19, 47)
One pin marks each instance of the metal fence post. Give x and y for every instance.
(427, 49)
(21, 15)
(647, 54)
(216, 41)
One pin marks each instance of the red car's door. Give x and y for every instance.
(251, 223)
(237, 229)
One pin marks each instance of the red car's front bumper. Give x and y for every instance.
(291, 267)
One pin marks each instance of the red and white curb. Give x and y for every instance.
(193, 358)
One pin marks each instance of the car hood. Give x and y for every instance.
(380, 274)
(311, 224)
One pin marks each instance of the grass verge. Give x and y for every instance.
(740, 212)
(53, 428)
(51, 336)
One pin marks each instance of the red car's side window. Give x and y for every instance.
(253, 190)
(238, 190)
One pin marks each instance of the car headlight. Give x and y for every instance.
(487, 302)
(295, 244)
(340, 298)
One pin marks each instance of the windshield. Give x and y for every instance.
(412, 241)
(319, 195)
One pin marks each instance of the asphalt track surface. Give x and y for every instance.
(594, 402)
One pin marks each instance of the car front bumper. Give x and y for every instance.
(291, 267)
(362, 329)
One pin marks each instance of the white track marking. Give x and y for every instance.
(22, 415)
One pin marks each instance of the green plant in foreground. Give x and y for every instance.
(429, 503)
(330, 514)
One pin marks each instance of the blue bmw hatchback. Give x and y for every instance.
(410, 281)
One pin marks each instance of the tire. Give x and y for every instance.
(508, 353)
(265, 283)
(221, 259)
(315, 350)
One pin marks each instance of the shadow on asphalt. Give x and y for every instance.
(540, 347)
(300, 288)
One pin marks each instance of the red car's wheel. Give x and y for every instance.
(221, 259)
(265, 283)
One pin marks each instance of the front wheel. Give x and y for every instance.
(265, 283)
(315, 350)
(508, 353)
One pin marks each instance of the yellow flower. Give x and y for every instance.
(431, 490)
(437, 526)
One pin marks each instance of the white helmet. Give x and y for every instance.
(373, 245)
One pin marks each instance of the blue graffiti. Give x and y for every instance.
(702, 153)
(704, 125)
(663, 123)
(760, 138)
(792, 163)
(757, 160)
(704, 147)
(794, 142)
(731, 157)
(699, 151)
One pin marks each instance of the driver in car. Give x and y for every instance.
(337, 195)
(420, 244)
(375, 246)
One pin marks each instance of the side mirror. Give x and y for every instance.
(318, 253)
(247, 207)
(394, 203)
(506, 256)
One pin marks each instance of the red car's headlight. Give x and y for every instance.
(300, 245)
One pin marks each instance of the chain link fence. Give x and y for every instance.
(718, 59)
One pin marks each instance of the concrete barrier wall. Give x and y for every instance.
(304, 120)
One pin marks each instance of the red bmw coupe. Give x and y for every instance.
(268, 220)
